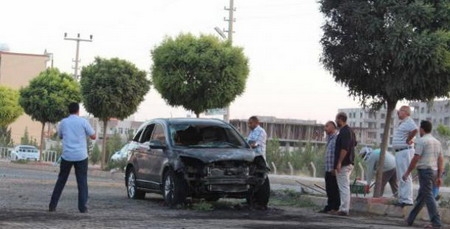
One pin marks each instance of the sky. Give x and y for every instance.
(279, 37)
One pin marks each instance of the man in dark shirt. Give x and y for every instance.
(343, 163)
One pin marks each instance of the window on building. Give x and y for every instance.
(383, 116)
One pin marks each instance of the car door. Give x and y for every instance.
(141, 154)
(158, 156)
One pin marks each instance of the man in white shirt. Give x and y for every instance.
(371, 158)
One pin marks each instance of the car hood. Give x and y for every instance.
(208, 155)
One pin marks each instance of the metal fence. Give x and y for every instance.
(47, 155)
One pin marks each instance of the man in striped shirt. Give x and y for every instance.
(403, 145)
(331, 186)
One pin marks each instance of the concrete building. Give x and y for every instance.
(16, 71)
(369, 125)
(124, 128)
(290, 132)
(438, 113)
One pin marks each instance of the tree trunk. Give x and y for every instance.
(41, 152)
(197, 114)
(103, 157)
(384, 144)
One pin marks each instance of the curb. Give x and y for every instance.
(382, 206)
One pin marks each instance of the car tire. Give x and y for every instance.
(174, 188)
(259, 197)
(132, 191)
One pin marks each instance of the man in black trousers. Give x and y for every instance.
(331, 186)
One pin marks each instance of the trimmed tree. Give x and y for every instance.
(47, 96)
(10, 110)
(112, 88)
(199, 73)
(388, 51)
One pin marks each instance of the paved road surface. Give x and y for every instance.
(25, 192)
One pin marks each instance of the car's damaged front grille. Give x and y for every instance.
(224, 176)
(227, 169)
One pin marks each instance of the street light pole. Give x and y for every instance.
(77, 39)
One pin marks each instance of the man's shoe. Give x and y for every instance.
(333, 212)
(341, 213)
(50, 209)
(84, 211)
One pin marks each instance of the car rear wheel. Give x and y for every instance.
(132, 191)
(175, 189)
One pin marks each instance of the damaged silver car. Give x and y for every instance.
(184, 158)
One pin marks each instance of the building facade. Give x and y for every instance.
(369, 125)
(291, 133)
(16, 71)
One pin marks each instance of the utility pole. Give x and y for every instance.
(77, 60)
(50, 56)
(231, 19)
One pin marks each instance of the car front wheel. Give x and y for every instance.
(174, 189)
(132, 191)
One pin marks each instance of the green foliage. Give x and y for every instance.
(113, 144)
(130, 135)
(26, 139)
(443, 131)
(203, 206)
(5, 137)
(300, 159)
(447, 175)
(386, 51)
(95, 155)
(199, 73)
(289, 197)
(113, 88)
(48, 95)
(10, 109)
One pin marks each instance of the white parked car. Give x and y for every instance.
(121, 154)
(25, 152)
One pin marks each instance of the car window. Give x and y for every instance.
(138, 135)
(158, 136)
(147, 133)
(212, 136)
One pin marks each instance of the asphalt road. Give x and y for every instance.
(25, 191)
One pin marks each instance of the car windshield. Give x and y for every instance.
(206, 136)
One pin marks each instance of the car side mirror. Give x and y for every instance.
(156, 144)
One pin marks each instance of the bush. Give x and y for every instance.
(95, 155)
(300, 159)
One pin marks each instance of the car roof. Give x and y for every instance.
(196, 121)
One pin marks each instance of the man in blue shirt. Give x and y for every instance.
(257, 137)
(73, 131)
